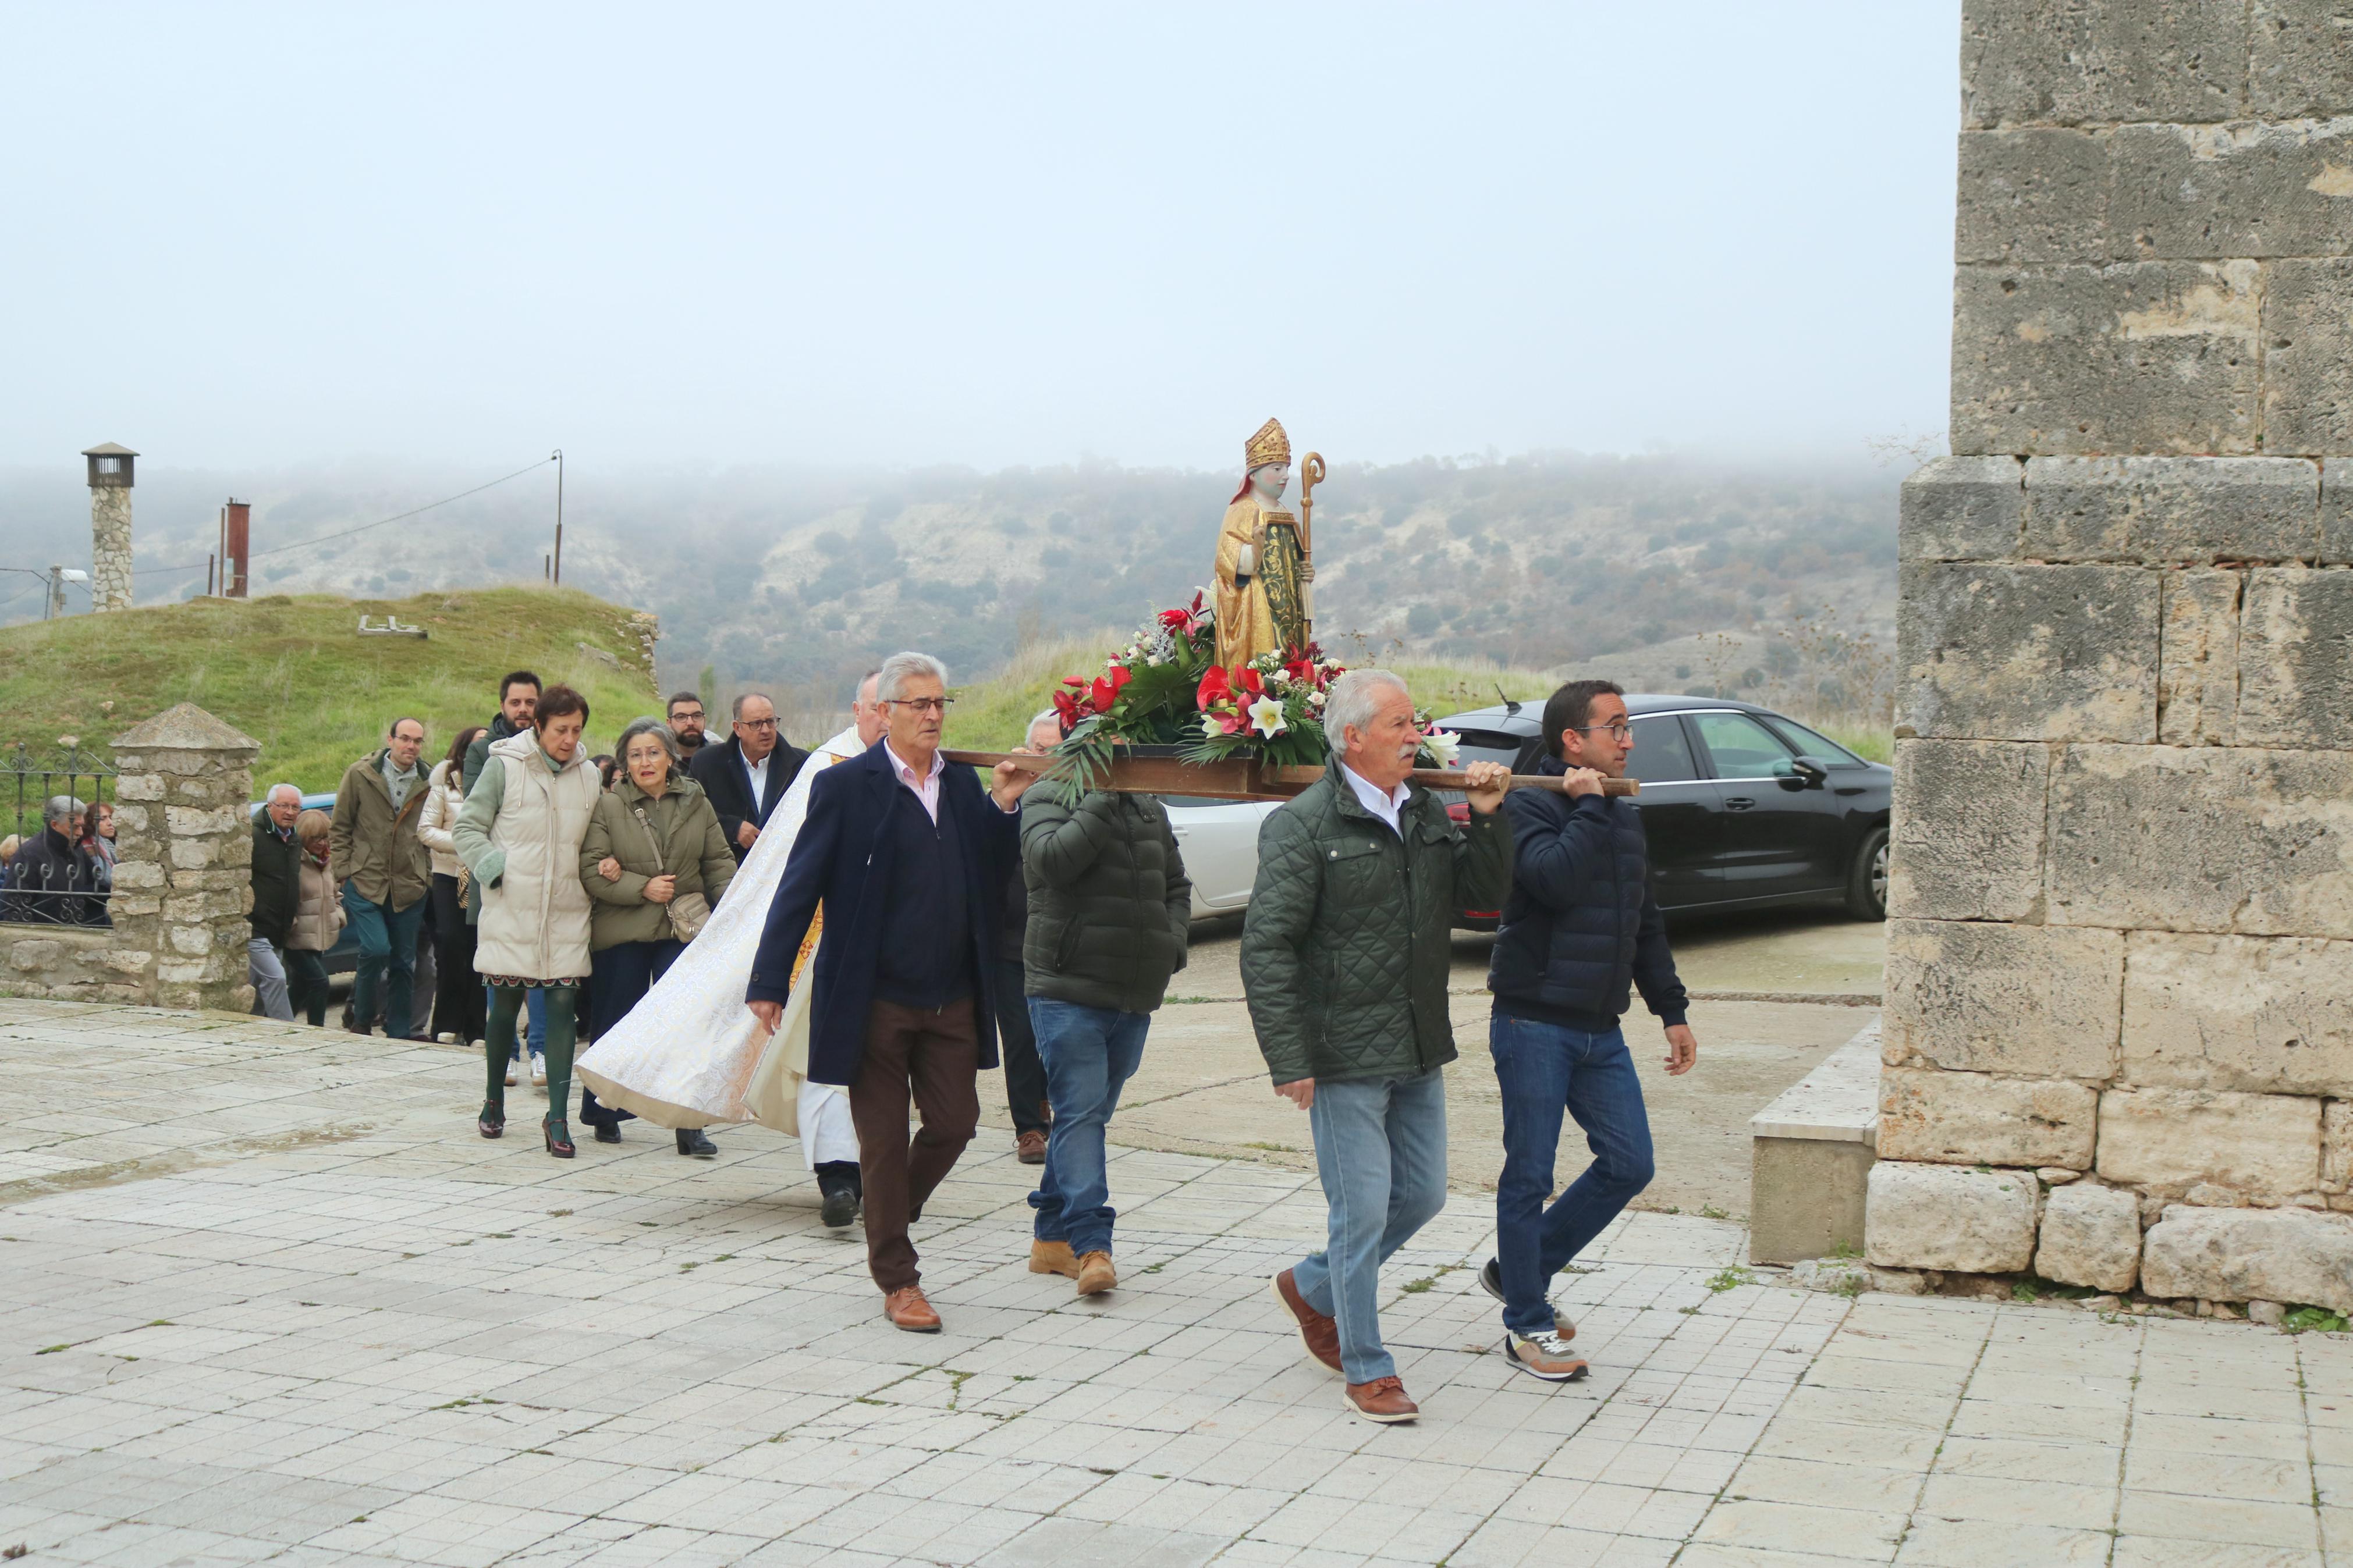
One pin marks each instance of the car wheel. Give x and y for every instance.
(1866, 884)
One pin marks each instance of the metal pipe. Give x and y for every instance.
(555, 569)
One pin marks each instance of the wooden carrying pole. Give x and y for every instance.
(1244, 778)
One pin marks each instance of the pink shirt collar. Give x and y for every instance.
(927, 788)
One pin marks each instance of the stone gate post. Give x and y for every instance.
(2119, 1033)
(184, 789)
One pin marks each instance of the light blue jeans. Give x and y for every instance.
(1380, 1149)
(535, 1006)
(1089, 1053)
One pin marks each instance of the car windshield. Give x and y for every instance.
(1817, 744)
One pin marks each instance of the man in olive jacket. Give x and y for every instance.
(1110, 912)
(385, 872)
(1345, 957)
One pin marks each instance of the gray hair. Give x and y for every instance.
(900, 667)
(858, 692)
(646, 726)
(271, 793)
(61, 808)
(1355, 698)
(735, 708)
(1043, 716)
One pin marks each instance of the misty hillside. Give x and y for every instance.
(1663, 569)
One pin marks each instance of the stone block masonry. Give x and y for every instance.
(183, 788)
(2123, 841)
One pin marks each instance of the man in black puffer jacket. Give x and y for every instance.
(1580, 924)
(1109, 913)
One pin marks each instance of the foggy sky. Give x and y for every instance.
(1009, 233)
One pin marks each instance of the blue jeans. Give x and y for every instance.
(1380, 1149)
(386, 937)
(536, 1005)
(1089, 1053)
(1544, 1070)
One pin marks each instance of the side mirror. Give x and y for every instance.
(1802, 773)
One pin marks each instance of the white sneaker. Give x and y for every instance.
(538, 1070)
(444, 1039)
(512, 1073)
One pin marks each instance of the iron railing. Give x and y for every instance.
(48, 878)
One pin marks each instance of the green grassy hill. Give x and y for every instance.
(292, 671)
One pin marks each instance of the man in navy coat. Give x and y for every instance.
(909, 857)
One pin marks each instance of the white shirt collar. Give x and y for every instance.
(1385, 806)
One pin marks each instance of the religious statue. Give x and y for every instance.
(1262, 573)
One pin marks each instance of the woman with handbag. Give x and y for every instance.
(654, 861)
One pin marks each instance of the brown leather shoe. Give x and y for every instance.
(1053, 1258)
(1382, 1400)
(907, 1309)
(1095, 1273)
(1318, 1332)
(1029, 1148)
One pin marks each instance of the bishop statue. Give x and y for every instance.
(1263, 572)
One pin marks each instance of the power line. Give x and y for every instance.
(397, 517)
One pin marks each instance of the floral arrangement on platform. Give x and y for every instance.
(1166, 688)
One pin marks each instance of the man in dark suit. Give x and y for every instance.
(748, 774)
(909, 855)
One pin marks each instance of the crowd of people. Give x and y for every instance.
(969, 923)
(64, 874)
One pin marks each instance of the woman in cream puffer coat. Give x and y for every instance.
(519, 834)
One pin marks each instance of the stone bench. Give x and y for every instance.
(1812, 1152)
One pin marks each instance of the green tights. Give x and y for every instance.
(499, 1044)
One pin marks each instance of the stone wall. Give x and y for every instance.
(109, 554)
(182, 825)
(2123, 856)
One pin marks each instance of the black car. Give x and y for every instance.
(1744, 808)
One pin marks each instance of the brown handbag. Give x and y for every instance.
(689, 912)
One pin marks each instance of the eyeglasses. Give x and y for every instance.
(922, 704)
(684, 713)
(1620, 731)
(757, 723)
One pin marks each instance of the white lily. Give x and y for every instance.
(1266, 717)
(1442, 744)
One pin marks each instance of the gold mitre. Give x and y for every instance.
(1268, 446)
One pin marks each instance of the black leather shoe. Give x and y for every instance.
(690, 1141)
(610, 1133)
(841, 1206)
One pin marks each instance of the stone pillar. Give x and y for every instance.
(2123, 857)
(182, 823)
(110, 548)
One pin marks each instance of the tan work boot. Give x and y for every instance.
(1382, 1400)
(1096, 1274)
(907, 1309)
(1053, 1258)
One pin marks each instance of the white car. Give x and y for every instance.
(1218, 839)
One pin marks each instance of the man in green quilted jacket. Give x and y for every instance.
(1345, 952)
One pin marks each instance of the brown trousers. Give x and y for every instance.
(936, 1058)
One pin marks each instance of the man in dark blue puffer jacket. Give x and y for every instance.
(1580, 924)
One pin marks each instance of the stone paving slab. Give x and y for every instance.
(340, 1329)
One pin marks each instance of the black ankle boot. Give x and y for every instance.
(692, 1140)
(840, 1200)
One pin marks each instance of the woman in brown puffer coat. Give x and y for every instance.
(318, 921)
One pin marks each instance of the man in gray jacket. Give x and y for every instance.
(1345, 953)
(1109, 912)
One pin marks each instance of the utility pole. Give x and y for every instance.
(555, 572)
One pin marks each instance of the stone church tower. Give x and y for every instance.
(2119, 1041)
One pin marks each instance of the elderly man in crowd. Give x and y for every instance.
(54, 881)
(746, 775)
(1109, 913)
(908, 855)
(385, 872)
(687, 722)
(1345, 957)
(277, 877)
